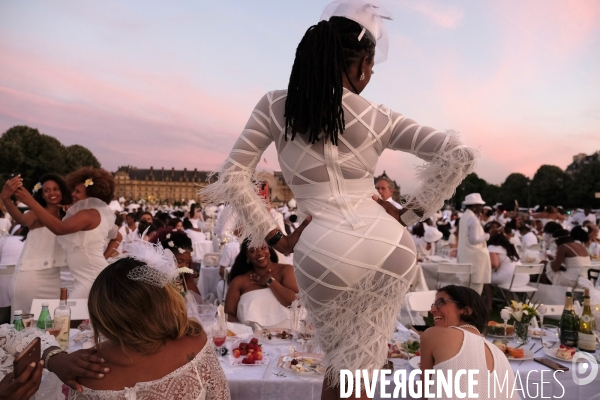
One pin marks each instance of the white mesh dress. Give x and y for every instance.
(353, 262)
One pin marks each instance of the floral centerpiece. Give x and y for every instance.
(522, 313)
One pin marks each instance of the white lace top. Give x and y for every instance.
(200, 379)
(12, 342)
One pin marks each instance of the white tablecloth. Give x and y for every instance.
(267, 382)
(201, 248)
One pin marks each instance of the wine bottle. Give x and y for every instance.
(62, 317)
(569, 326)
(586, 339)
(44, 316)
(18, 321)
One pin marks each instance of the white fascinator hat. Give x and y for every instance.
(367, 13)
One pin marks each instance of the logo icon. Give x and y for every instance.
(584, 363)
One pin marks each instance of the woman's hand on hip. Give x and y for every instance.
(390, 208)
(287, 243)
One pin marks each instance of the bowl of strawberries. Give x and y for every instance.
(248, 353)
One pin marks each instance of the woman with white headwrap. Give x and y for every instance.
(354, 262)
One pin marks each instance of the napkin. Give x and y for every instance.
(239, 329)
(221, 317)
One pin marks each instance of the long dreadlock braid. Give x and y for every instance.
(314, 97)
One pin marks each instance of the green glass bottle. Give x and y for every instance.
(586, 340)
(44, 316)
(569, 323)
(18, 321)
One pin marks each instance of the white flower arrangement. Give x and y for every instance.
(185, 270)
(88, 182)
(521, 312)
(171, 244)
(37, 187)
(180, 250)
(168, 236)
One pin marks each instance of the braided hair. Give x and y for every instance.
(314, 97)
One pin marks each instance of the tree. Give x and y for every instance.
(77, 156)
(548, 186)
(584, 185)
(26, 151)
(515, 187)
(471, 184)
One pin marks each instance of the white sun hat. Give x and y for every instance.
(432, 235)
(473, 198)
(367, 13)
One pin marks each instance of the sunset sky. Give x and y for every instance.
(171, 84)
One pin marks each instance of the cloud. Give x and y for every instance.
(442, 15)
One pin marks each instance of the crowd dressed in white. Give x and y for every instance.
(57, 237)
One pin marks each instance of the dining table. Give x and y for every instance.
(272, 381)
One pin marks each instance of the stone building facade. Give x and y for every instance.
(159, 185)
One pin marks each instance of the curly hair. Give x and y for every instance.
(103, 186)
(179, 239)
(64, 191)
(242, 264)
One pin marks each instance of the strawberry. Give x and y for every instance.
(243, 352)
(254, 341)
(250, 358)
(259, 356)
(236, 353)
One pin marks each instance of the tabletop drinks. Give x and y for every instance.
(62, 318)
(44, 316)
(18, 321)
(586, 339)
(569, 324)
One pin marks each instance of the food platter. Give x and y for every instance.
(302, 364)
(272, 336)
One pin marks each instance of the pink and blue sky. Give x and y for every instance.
(171, 84)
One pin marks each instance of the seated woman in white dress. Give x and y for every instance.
(456, 342)
(260, 289)
(153, 349)
(84, 230)
(571, 258)
(503, 256)
(426, 245)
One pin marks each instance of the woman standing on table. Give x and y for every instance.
(37, 272)
(84, 230)
(354, 261)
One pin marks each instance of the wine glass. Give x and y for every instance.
(52, 327)
(505, 315)
(541, 310)
(550, 336)
(219, 335)
(27, 320)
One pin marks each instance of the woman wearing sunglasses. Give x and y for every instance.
(456, 342)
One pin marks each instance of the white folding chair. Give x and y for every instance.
(453, 269)
(79, 309)
(7, 270)
(419, 302)
(534, 247)
(554, 310)
(526, 290)
(211, 259)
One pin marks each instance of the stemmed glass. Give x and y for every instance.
(550, 336)
(505, 315)
(219, 335)
(541, 310)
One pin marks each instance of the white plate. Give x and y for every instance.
(502, 336)
(552, 354)
(415, 362)
(527, 356)
(238, 361)
(286, 365)
(274, 340)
